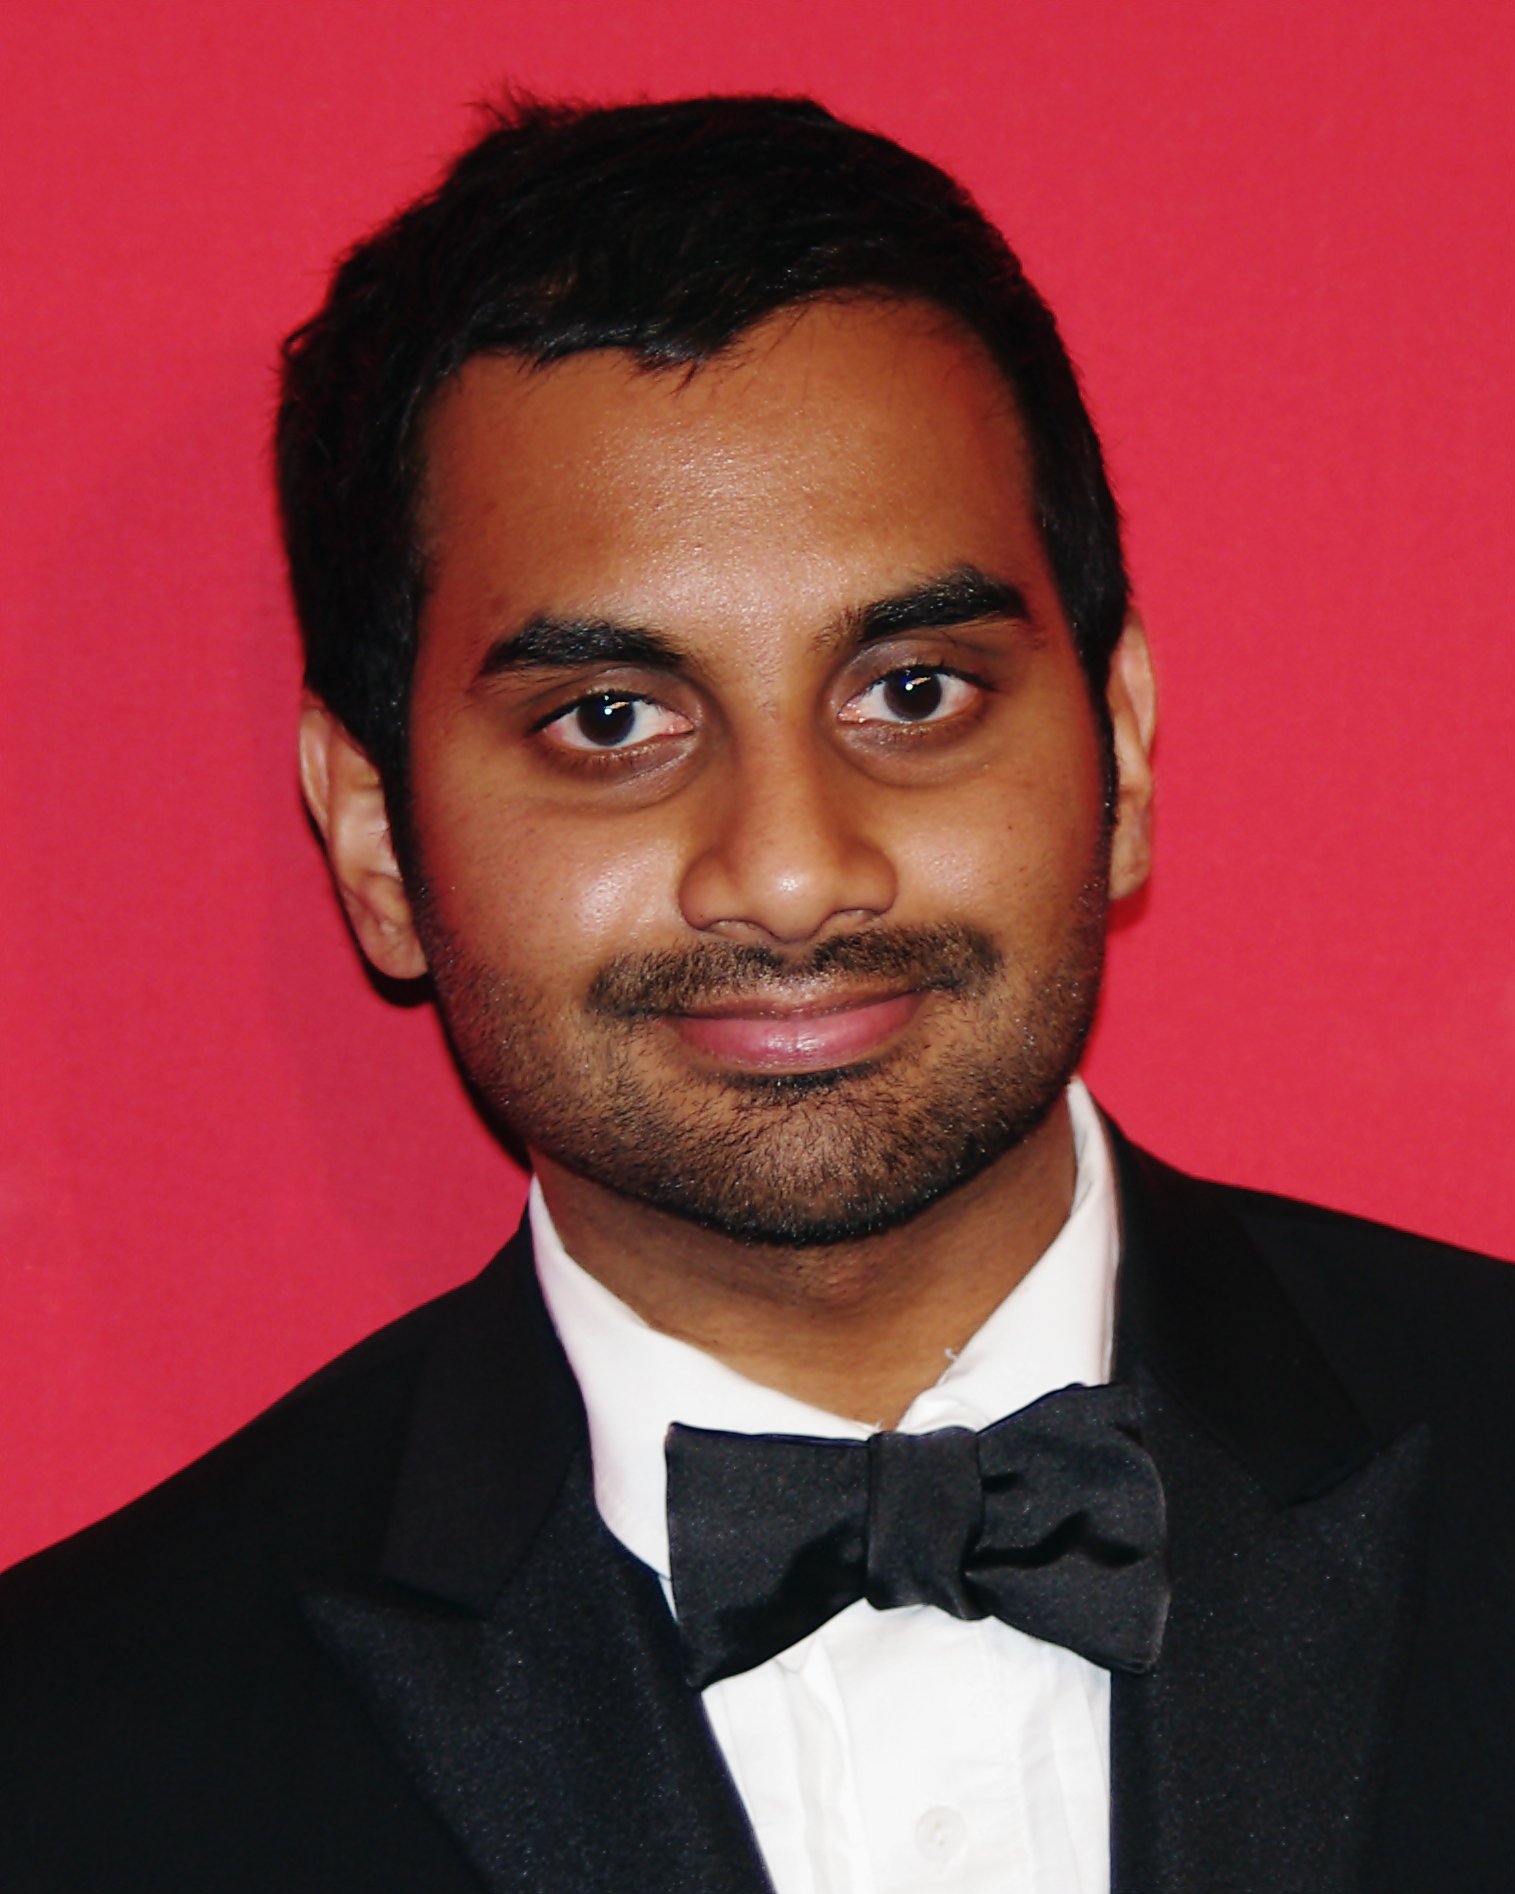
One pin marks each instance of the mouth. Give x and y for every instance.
(772, 1035)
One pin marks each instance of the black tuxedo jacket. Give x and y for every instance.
(380, 1640)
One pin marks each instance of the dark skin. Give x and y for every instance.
(767, 657)
(859, 1329)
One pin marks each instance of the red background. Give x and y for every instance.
(1279, 237)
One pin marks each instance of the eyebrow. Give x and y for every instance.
(959, 597)
(548, 642)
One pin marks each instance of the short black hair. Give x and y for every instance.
(665, 229)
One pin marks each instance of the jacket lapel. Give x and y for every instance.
(521, 1664)
(1249, 1759)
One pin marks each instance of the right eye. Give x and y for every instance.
(612, 720)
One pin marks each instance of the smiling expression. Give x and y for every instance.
(759, 806)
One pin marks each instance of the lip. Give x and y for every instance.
(763, 1036)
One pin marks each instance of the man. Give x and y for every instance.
(724, 687)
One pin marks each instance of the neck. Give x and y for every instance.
(859, 1328)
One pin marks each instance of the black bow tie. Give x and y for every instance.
(1051, 1520)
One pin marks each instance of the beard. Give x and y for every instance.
(795, 1160)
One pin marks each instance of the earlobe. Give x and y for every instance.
(346, 801)
(1132, 700)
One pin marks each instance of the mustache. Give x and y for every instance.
(948, 958)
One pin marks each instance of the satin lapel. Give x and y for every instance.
(1248, 1762)
(519, 1662)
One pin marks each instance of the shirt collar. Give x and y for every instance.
(1052, 1329)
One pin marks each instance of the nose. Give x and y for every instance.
(784, 850)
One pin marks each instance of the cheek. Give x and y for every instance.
(1013, 857)
(545, 901)
(612, 893)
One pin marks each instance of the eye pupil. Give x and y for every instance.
(607, 720)
(913, 694)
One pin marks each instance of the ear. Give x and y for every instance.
(1132, 699)
(346, 800)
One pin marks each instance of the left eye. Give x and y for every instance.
(916, 694)
(610, 721)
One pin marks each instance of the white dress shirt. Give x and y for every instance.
(901, 1750)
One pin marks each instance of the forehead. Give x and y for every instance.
(835, 450)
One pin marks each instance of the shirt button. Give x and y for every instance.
(941, 1835)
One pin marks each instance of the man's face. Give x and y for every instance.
(757, 795)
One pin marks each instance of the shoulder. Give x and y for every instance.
(167, 1719)
(1408, 1322)
(167, 1645)
(305, 1483)
(1392, 1280)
